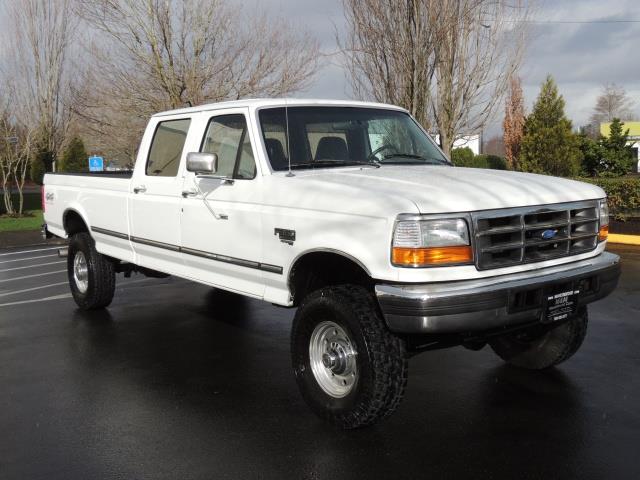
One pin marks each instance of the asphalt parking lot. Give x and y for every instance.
(177, 380)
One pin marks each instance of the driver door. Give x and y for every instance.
(221, 227)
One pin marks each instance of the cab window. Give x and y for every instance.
(166, 148)
(227, 137)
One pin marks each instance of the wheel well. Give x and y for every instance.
(320, 269)
(73, 223)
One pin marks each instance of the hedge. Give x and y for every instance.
(31, 202)
(464, 157)
(491, 161)
(623, 194)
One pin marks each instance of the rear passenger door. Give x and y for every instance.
(155, 200)
(222, 217)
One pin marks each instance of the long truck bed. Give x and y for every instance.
(97, 195)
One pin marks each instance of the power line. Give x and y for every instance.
(582, 21)
(572, 21)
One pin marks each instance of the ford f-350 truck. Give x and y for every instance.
(351, 213)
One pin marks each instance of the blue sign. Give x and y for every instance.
(96, 164)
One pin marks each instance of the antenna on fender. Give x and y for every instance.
(286, 120)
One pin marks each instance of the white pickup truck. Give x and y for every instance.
(351, 213)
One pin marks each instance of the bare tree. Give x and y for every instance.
(390, 50)
(16, 145)
(513, 125)
(153, 55)
(448, 61)
(7, 159)
(613, 102)
(37, 40)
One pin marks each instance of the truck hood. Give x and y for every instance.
(444, 189)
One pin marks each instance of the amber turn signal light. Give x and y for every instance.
(603, 233)
(431, 256)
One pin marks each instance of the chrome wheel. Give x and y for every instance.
(332, 357)
(80, 272)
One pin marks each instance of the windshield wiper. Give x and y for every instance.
(333, 163)
(419, 159)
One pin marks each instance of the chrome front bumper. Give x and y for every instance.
(490, 303)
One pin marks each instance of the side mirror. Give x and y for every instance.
(206, 163)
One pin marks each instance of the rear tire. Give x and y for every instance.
(351, 370)
(537, 352)
(92, 276)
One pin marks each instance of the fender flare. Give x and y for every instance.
(340, 253)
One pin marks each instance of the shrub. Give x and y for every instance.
(462, 157)
(494, 162)
(623, 194)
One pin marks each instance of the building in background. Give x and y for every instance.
(633, 139)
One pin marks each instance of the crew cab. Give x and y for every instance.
(351, 213)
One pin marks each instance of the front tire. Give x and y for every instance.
(539, 351)
(92, 277)
(351, 370)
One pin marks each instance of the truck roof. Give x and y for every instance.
(278, 102)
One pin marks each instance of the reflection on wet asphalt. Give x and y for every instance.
(176, 380)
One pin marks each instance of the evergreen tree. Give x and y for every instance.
(74, 158)
(40, 164)
(549, 145)
(618, 157)
(592, 154)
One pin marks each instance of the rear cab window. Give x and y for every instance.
(166, 148)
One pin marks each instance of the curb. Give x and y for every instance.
(624, 239)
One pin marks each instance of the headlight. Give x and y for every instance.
(422, 243)
(603, 208)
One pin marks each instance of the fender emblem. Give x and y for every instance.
(286, 236)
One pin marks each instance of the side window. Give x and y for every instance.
(166, 148)
(227, 137)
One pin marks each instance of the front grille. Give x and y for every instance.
(515, 236)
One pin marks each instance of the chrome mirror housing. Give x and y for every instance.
(202, 163)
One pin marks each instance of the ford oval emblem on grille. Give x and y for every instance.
(549, 234)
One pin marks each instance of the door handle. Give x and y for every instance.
(189, 193)
(139, 189)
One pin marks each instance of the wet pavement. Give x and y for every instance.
(177, 380)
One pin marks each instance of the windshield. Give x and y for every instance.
(322, 137)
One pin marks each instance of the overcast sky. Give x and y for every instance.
(581, 57)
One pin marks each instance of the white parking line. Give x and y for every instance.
(55, 297)
(33, 288)
(29, 251)
(28, 258)
(31, 276)
(32, 266)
